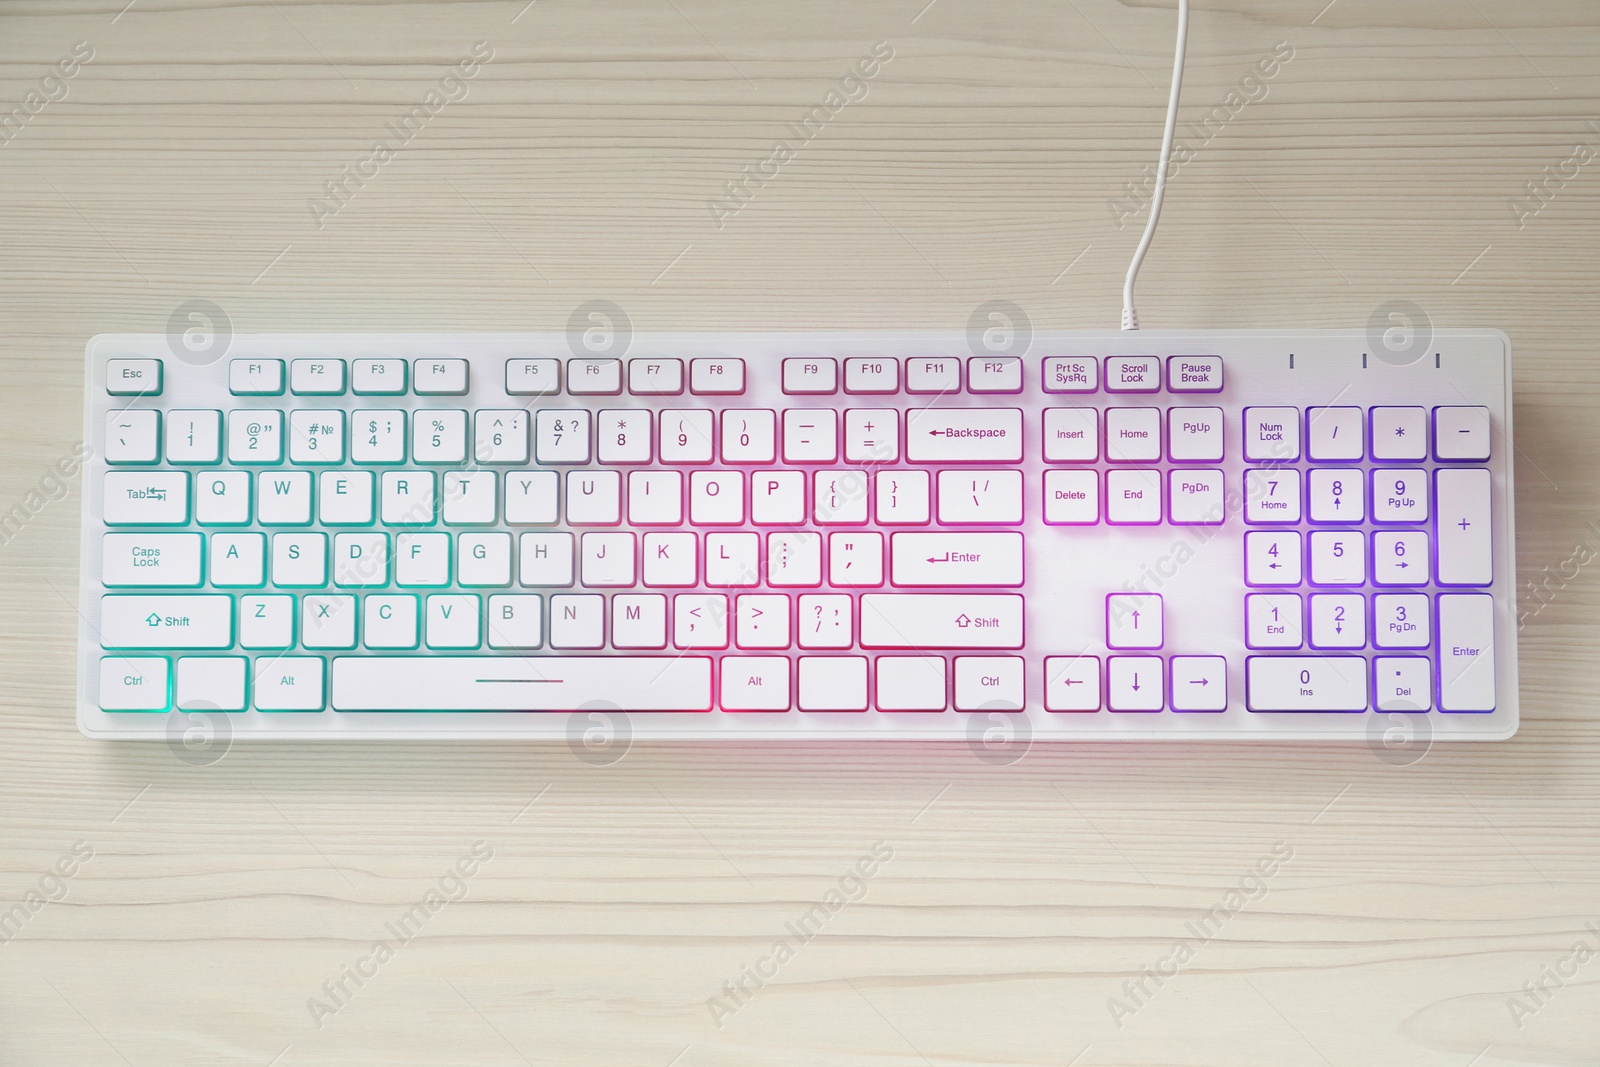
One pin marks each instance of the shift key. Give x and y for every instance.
(941, 620)
(964, 435)
(166, 621)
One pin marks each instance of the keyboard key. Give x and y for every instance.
(810, 435)
(655, 498)
(561, 435)
(807, 374)
(876, 374)
(749, 435)
(989, 683)
(700, 620)
(423, 559)
(301, 559)
(1272, 558)
(1335, 433)
(533, 377)
(290, 683)
(1400, 558)
(409, 498)
(222, 498)
(1196, 498)
(452, 622)
(871, 435)
(532, 496)
(134, 683)
(1072, 683)
(794, 559)
(1199, 683)
(778, 498)
(755, 683)
(151, 498)
(133, 436)
(166, 621)
(1271, 495)
(1071, 435)
(1194, 435)
(1466, 652)
(1466, 555)
(989, 497)
(964, 435)
(521, 683)
(855, 559)
(1399, 433)
(316, 377)
(502, 437)
(655, 377)
(440, 436)
(439, 377)
(483, 560)
(639, 621)
(594, 377)
(1273, 620)
(255, 377)
(1071, 498)
(1337, 495)
(1134, 620)
(902, 498)
(733, 559)
(955, 559)
(1400, 496)
(211, 683)
(1194, 374)
(911, 683)
(825, 621)
(378, 437)
(361, 560)
(1306, 683)
(1271, 434)
(1338, 620)
(1133, 435)
(239, 560)
(1135, 683)
(686, 436)
(514, 621)
(392, 621)
(941, 620)
(169, 559)
(577, 621)
(1133, 497)
(133, 377)
(546, 559)
(594, 498)
(670, 560)
(328, 622)
(716, 377)
(1071, 374)
(1461, 433)
(1338, 558)
(840, 498)
(1401, 620)
(762, 621)
(194, 437)
(833, 683)
(266, 621)
(716, 498)
(316, 436)
(1402, 683)
(1133, 374)
(378, 377)
(993, 374)
(283, 498)
(936, 375)
(255, 437)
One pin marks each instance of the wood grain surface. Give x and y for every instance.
(179, 908)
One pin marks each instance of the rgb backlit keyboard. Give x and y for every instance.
(814, 535)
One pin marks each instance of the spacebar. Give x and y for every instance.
(521, 683)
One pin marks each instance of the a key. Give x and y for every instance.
(1194, 435)
(982, 496)
(439, 435)
(133, 436)
(166, 621)
(316, 436)
(1133, 435)
(1273, 620)
(1466, 555)
(871, 435)
(1306, 683)
(1071, 498)
(439, 377)
(238, 560)
(501, 436)
(159, 559)
(149, 498)
(561, 436)
(749, 435)
(686, 436)
(964, 435)
(194, 436)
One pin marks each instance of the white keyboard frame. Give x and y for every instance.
(1474, 367)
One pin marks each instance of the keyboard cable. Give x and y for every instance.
(1130, 317)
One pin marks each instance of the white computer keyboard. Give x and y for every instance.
(815, 535)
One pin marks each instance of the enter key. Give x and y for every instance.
(922, 560)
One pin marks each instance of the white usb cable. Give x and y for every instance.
(1130, 317)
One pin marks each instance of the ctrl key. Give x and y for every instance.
(134, 683)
